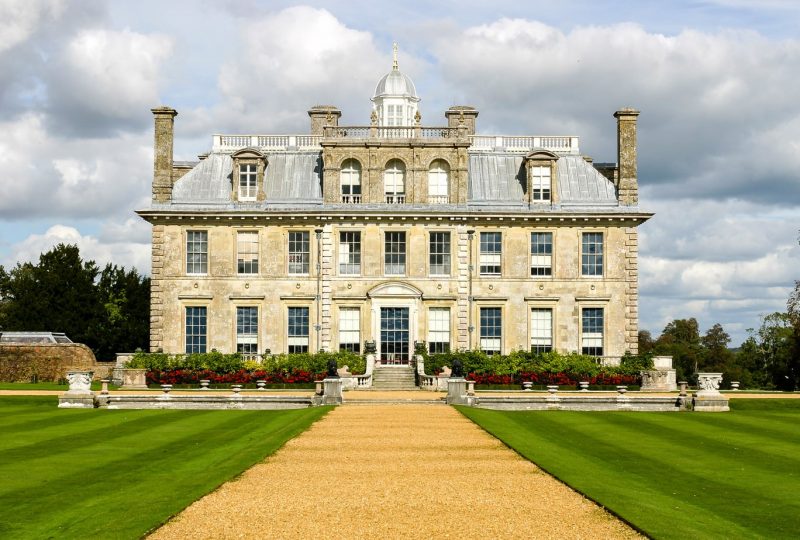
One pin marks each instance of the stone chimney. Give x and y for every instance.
(162, 159)
(323, 115)
(458, 114)
(626, 156)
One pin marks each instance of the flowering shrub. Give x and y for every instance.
(193, 377)
(561, 379)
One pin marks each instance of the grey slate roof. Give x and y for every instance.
(294, 180)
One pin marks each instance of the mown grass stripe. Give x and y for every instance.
(651, 482)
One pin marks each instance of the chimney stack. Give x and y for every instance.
(164, 118)
(626, 156)
(465, 115)
(323, 115)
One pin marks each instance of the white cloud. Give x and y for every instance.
(120, 251)
(20, 18)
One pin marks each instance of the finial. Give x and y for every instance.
(394, 53)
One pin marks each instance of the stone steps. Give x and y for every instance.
(393, 379)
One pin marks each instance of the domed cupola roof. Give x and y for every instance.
(395, 84)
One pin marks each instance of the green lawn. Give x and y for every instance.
(78, 473)
(672, 475)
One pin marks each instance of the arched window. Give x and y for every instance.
(350, 177)
(438, 184)
(394, 182)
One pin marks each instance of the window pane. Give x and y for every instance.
(592, 331)
(438, 330)
(299, 252)
(541, 254)
(540, 184)
(440, 253)
(351, 181)
(196, 330)
(247, 256)
(247, 331)
(541, 330)
(490, 253)
(592, 254)
(197, 252)
(350, 253)
(298, 330)
(395, 253)
(247, 182)
(491, 328)
(394, 183)
(350, 329)
(438, 183)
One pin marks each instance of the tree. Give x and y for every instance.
(646, 342)
(109, 311)
(717, 357)
(681, 340)
(776, 342)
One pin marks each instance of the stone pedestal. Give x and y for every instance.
(456, 391)
(659, 380)
(79, 395)
(332, 391)
(134, 379)
(708, 398)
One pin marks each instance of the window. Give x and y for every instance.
(247, 252)
(438, 330)
(350, 253)
(394, 115)
(592, 331)
(247, 182)
(541, 254)
(394, 182)
(247, 331)
(299, 252)
(541, 330)
(395, 253)
(439, 257)
(197, 252)
(491, 330)
(540, 183)
(351, 181)
(350, 329)
(491, 250)
(196, 330)
(437, 183)
(298, 330)
(592, 254)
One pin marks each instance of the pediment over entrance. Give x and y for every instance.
(394, 289)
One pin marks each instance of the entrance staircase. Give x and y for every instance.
(393, 378)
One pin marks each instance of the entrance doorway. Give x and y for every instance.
(394, 336)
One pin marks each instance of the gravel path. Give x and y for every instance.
(394, 471)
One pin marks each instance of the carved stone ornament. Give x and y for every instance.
(80, 382)
(370, 347)
(417, 118)
(373, 118)
(708, 383)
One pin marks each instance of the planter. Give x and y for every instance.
(134, 379)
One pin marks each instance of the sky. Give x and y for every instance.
(716, 81)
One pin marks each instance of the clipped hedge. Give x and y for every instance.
(540, 368)
(222, 368)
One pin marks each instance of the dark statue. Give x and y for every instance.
(458, 369)
(332, 373)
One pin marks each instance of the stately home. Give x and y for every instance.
(394, 233)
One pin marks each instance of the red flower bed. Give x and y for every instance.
(191, 377)
(561, 379)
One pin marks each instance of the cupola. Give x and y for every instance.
(395, 100)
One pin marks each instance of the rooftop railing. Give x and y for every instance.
(506, 143)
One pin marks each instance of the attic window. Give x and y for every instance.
(540, 183)
(248, 186)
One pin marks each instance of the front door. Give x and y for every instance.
(394, 336)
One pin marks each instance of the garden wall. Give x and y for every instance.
(47, 361)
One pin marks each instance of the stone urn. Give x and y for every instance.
(552, 388)
(527, 386)
(204, 384)
(134, 379)
(584, 386)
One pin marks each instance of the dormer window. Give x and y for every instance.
(394, 182)
(248, 187)
(350, 177)
(541, 166)
(247, 176)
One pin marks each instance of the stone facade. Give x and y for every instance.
(491, 188)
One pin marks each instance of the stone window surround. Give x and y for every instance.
(428, 251)
(604, 269)
(451, 307)
(236, 232)
(478, 258)
(543, 303)
(191, 304)
(542, 158)
(248, 156)
(185, 240)
(553, 257)
(234, 317)
(601, 303)
(503, 321)
(311, 323)
(447, 168)
(405, 231)
(337, 235)
(354, 307)
(360, 169)
(311, 256)
(404, 176)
